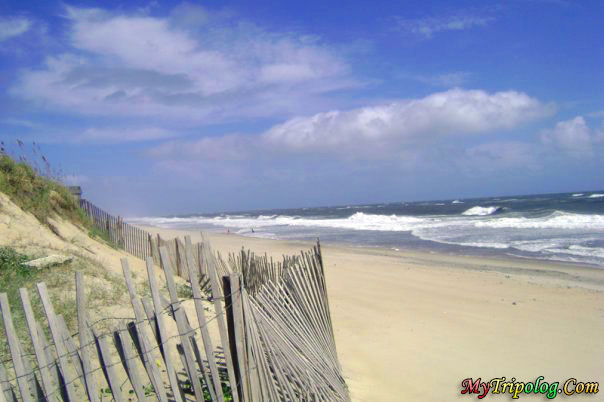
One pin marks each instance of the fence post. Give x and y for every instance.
(38, 349)
(83, 333)
(186, 337)
(65, 365)
(234, 314)
(201, 319)
(217, 293)
(15, 349)
(177, 257)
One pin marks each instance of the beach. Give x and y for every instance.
(412, 325)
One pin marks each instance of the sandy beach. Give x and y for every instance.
(412, 325)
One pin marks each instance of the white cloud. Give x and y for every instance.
(138, 65)
(455, 112)
(427, 27)
(11, 27)
(573, 136)
(377, 132)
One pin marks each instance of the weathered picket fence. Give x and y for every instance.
(137, 241)
(275, 337)
(123, 235)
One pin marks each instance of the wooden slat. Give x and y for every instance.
(70, 346)
(109, 366)
(129, 361)
(65, 365)
(232, 290)
(147, 354)
(15, 349)
(34, 384)
(163, 332)
(84, 338)
(182, 330)
(201, 319)
(53, 366)
(210, 263)
(265, 378)
(6, 387)
(150, 313)
(49, 387)
(2, 397)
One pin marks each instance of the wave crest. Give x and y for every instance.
(481, 211)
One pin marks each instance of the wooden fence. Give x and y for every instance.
(275, 336)
(137, 241)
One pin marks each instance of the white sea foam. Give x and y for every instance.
(557, 235)
(555, 220)
(481, 211)
(578, 195)
(457, 202)
(477, 217)
(596, 196)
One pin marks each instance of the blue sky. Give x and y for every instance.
(165, 107)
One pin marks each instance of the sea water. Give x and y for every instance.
(564, 227)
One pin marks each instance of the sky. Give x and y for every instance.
(160, 108)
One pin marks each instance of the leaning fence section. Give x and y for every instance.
(274, 337)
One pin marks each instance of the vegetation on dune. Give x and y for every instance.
(60, 282)
(14, 275)
(39, 195)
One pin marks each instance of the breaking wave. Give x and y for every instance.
(481, 211)
(554, 235)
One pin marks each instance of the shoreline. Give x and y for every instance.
(506, 264)
(411, 325)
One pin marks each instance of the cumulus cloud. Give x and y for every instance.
(12, 27)
(379, 131)
(573, 136)
(144, 66)
(427, 27)
(455, 112)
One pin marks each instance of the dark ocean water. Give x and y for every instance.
(564, 227)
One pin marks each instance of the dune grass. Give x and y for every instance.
(37, 194)
(60, 281)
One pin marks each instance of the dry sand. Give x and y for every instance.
(411, 326)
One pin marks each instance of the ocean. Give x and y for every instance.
(562, 227)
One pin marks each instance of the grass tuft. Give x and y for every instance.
(106, 290)
(37, 194)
